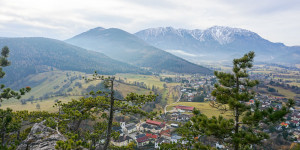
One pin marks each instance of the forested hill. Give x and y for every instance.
(34, 55)
(126, 47)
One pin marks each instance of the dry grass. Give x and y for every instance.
(204, 108)
(286, 93)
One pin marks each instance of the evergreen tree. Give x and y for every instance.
(234, 90)
(100, 107)
(9, 122)
(7, 93)
(246, 128)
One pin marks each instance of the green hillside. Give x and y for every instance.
(48, 87)
(35, 55)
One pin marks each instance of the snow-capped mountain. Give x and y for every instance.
(221, 34)
(217, 42)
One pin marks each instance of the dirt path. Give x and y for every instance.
(165, 109)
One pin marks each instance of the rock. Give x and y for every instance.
(41, 137)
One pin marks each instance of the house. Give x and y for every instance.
(150, 128)
(175, 138)
(295, 116)
(185, 108)
(130, 128)
(295, 123)
(142, 140)
(251, 102)
(156, 123)
(166, 133)
(283, 124)
(151, 136)
(122, 141)
(174, 125)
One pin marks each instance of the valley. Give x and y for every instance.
(157, 93)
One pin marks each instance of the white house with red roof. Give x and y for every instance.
(185, 108)
(156, 123)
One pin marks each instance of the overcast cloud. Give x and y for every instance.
(275, 20)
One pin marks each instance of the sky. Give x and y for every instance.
(274, 20)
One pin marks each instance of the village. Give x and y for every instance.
(149, 134)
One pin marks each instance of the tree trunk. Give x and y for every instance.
(111, 115)
(3, 137)
(236, 130)
(18, 135)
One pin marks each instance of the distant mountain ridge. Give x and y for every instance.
(218, 43)
(126, 47)
(35, 55)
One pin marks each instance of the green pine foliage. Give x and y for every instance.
(245, 129)
(7, 93)
(99, 108)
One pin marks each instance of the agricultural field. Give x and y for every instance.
(286, 93)
(204, 108)
(169, 94)
(47, 86)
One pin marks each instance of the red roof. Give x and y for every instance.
(184, 107)
(284, 124)
(154, 122)
(153, 136)
(142, 139)
(165, 132)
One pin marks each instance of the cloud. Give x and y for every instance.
(275, 20)
(181, 52)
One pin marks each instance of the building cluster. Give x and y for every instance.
(146, 134)
(195, 87)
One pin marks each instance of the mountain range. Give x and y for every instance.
(113, 50)
(218, 43)
(128, 48)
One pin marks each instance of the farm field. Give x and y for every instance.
(204, 108)
(49, 83)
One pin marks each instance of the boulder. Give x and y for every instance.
(41, 137)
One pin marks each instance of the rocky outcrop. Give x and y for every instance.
(41, 137)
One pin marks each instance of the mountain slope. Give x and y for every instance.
(217, 43)
(128, 48)
(34, 55)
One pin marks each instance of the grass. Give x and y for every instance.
(204, 108)
(48, 80)
(286, 93)
(46, 105)
(150, 81)
(125, 89)
(147, 79)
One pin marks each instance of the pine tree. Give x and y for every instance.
(121, 105)
(9, 122)
(7, 93)
(100, 107)
(234, 89)
(246, 128)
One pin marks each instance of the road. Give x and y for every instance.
(165, 109)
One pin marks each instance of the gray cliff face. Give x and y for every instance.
(41, 137)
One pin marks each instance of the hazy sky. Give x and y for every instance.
(275, 20)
